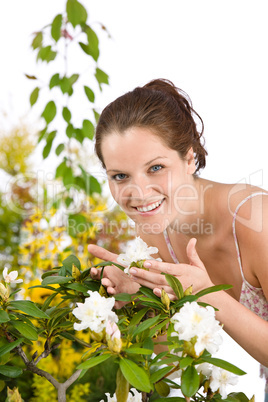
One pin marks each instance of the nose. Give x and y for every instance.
(139, 188)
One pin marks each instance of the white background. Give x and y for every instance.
(214, 50)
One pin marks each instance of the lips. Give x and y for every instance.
(151, 207)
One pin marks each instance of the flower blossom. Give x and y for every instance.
(11, 277)
(133, 396)
(136, 251)
(198, 325)
(95, 312)
(220, 379)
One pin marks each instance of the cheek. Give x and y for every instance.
(117, 192)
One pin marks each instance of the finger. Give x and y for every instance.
(148, 276)
(192, 254)
(107, 283)
(165, 267)
(101, 253)
(95, 273)
(158, 293)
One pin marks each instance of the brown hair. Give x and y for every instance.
(161, 107)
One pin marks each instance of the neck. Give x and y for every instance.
(194, 213)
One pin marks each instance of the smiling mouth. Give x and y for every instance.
(150, 207)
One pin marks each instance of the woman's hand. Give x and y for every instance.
(192, 274)
(114, 279)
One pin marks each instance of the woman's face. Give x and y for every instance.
(149, 181)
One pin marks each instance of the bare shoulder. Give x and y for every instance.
(251, 224)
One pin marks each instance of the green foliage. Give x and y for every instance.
(67, 30)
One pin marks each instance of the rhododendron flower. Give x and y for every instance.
(136, 251)
(133, 396)
(95, 312)
(198, 324)
(11, 277)
(220, 379)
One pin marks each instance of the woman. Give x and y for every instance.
(207, 233)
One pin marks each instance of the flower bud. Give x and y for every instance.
(165, 299)
(102, 291)
(113, 337)
(75, 272)
(138, 264)
(188, 291)
(4, 292)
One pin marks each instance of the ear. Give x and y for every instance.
(191, 168)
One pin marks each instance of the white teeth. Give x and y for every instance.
(150, 207)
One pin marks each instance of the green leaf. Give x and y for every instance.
(88, 129)
(52, 280)
(146, 324)
(160, 373)
(68, 177)
(37, 40)
(56, 27)
(212, 289)
(59, 149)
(101, 77)
(54, 81)
(237, 397)
(26, 330)
(89, 93)
(186, 361)
(93, 361)
(66, 114)
(66, 85)
(28, 307)
(223, 364)
(76, 13)
(93, 43)
(4, 317)
(10, 346)
(11, 371)
(140, 351)
(123, 297)
(34, 96)
(49, 112)
(46, 54)
(60, 169)
(171, 399)
(175, 284)
(69, 261)
(78, 287)
(48, 146)
(138, 317)
(135, 375)
(189, 381)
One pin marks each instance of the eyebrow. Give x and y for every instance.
(146, 164)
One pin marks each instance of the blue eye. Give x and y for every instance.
(155, 168)
(119, 176)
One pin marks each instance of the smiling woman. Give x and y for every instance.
(150, 143)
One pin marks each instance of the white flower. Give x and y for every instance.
(11, 277)
(196, 321)
(95, 312)
(133, 396)
(205, 369)
(136, 251)
(220, 379)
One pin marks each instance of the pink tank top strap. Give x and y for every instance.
(170, 248)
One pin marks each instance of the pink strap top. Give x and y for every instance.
(251, 297)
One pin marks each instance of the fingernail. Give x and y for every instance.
(147, 264)
(133, 271)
